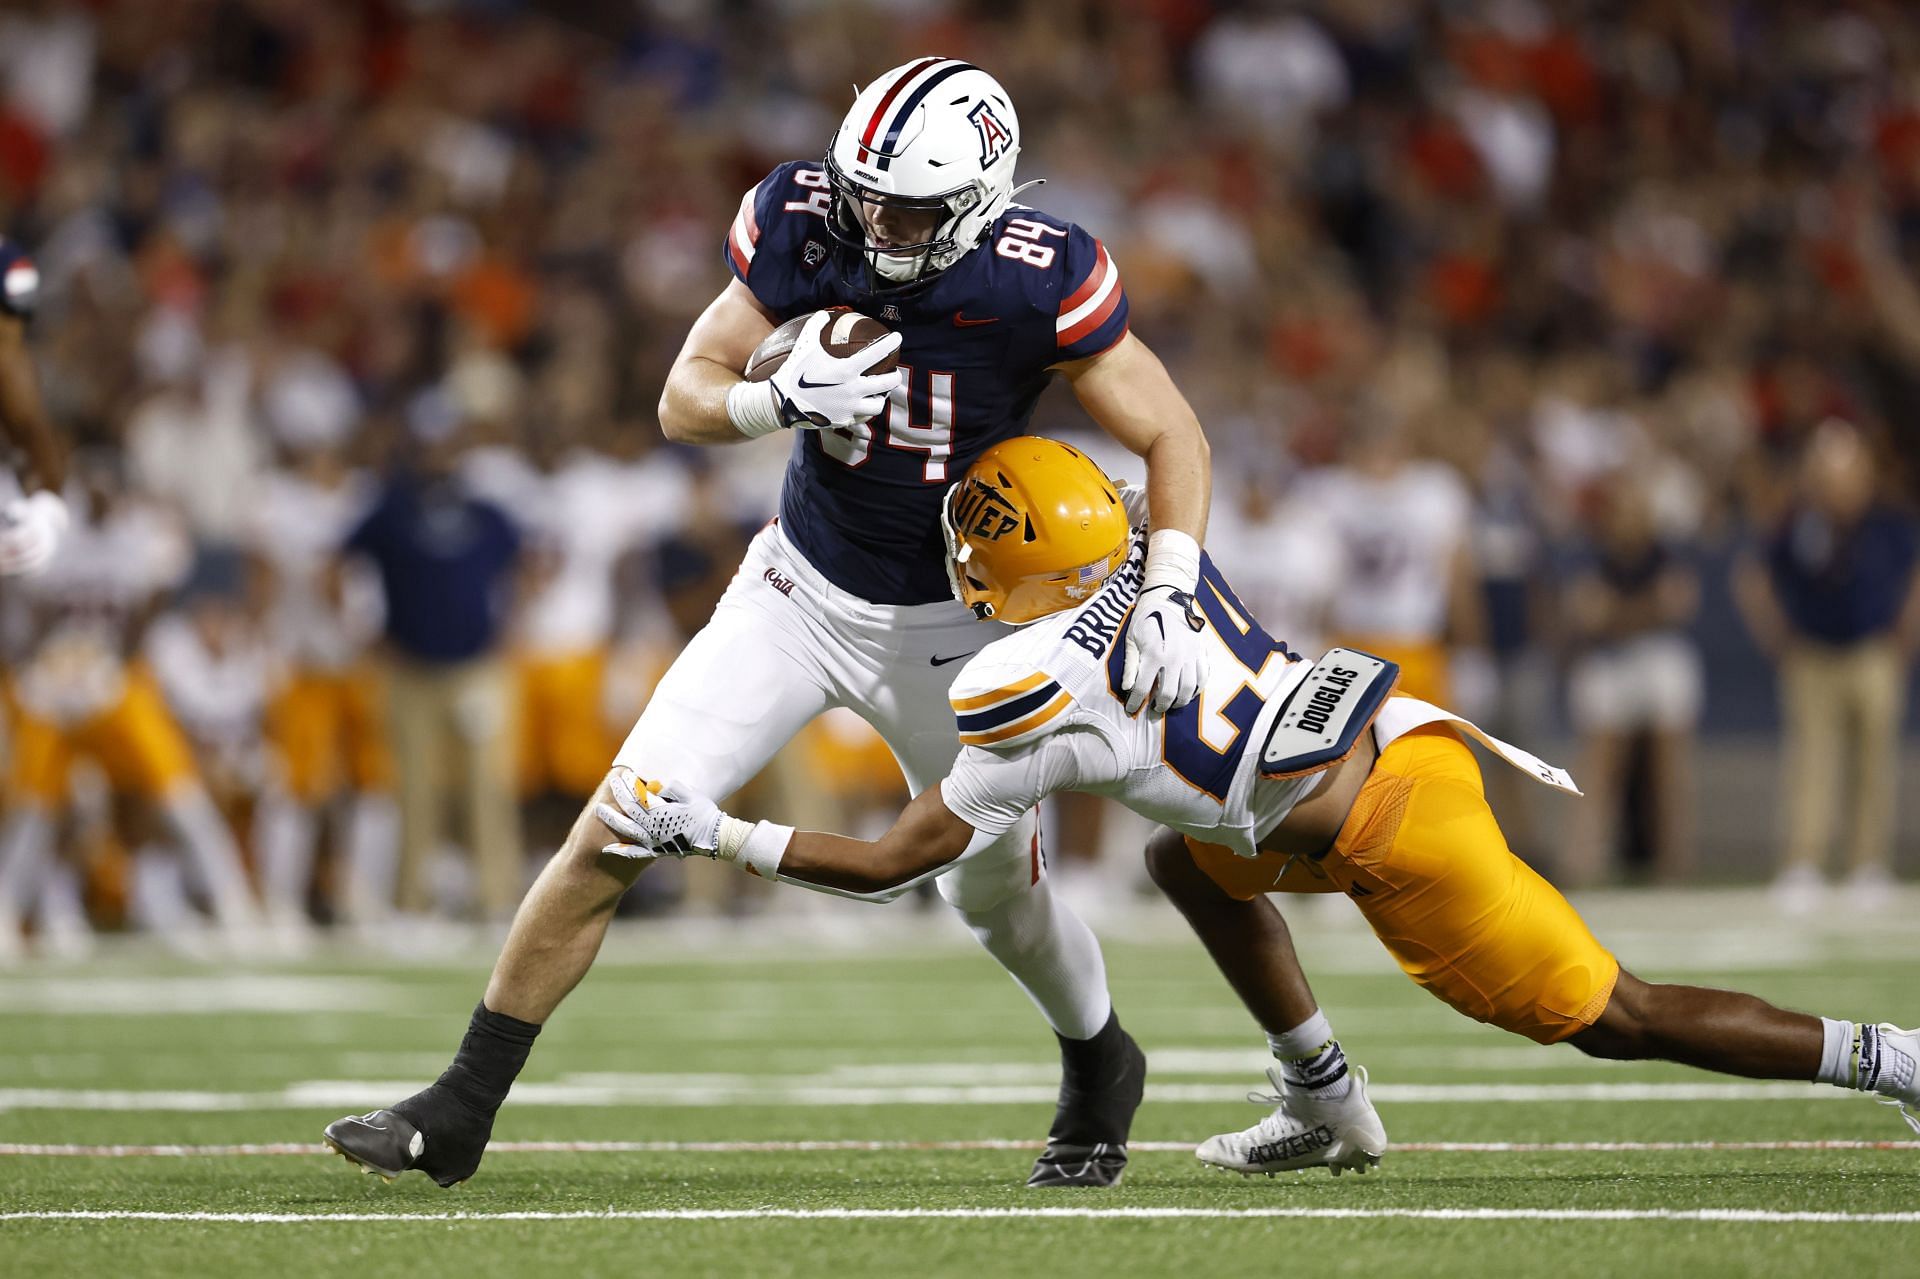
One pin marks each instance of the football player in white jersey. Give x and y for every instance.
(33, 515)
(909, 219)
(1273, 783)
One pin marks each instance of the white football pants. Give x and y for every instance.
(784, 645)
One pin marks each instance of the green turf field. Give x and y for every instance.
(738, 1069)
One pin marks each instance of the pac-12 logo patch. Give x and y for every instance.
(995, 137)
(813, 255)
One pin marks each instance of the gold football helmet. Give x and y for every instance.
(1033, 527)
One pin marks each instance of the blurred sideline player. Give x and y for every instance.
(86, 694)
(325, 720)
(33, 514)
(215, 662)
(564, 614)
(1408, 585)
(1274, 783)
(843, 600)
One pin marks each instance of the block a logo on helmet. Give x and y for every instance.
(995, 137)
(919, 170)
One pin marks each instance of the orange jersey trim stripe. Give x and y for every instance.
(980, 701)
(1021, 727)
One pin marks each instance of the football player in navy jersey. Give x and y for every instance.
(844, 599)
(33, 514)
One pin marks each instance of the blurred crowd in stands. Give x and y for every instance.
(1526, 333)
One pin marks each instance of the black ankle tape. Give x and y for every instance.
(1089, 1059)
(491, 1055)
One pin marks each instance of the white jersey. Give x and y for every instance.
(104, 574)
(1039, 711)
(219, 695)
(1399, 534)
(299, 526)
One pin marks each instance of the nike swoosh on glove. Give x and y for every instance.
(833, 392)
(30, 531)
(1166, 661)
(654, 820)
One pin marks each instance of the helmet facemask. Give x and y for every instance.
(967, 589)
(891, 267)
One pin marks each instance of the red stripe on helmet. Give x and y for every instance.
(886, 100)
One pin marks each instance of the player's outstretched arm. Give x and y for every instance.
(655, 819)
(1126, 390)
(693, 405)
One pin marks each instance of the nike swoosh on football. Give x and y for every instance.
(960, 320)
(942, 661)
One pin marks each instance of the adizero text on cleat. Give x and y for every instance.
(1087, 1145)
(381, 1142)
(1303, 1132)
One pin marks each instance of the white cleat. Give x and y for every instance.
(1303, 1132)
(1899, 1075)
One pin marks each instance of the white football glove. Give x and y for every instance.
(1166, 653)
(30, 530)
(656, 821)
(812, 390)
(1166, 661)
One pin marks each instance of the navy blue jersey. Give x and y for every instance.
(864, 506)
(19, 281)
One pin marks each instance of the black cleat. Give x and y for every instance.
(381, 1142)
(1088, 1143)
(1100, 1164)
(432, 1131)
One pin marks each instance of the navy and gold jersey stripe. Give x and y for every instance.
(1003, 715)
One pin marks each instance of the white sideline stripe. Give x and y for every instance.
(640, 1091)
(31, 1150)
(1719, 1215)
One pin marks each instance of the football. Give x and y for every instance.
(847, 332)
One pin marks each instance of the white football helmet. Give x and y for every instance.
(934, 137)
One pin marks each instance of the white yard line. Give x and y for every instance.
(681, 1091)
(32, 1150)
(1713, 1215)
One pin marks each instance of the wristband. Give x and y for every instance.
(756, 847)
(754, 409)
(1173, 559)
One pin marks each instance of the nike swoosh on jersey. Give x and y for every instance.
(960, 320)
(942, 661)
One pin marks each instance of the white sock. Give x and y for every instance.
(372, 858)
(1052, 955)
(24, 851)
(1311, 1058)
(213, 856)
(62, 909)
(284, 839)
(1836, 1053)
(157, 893)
